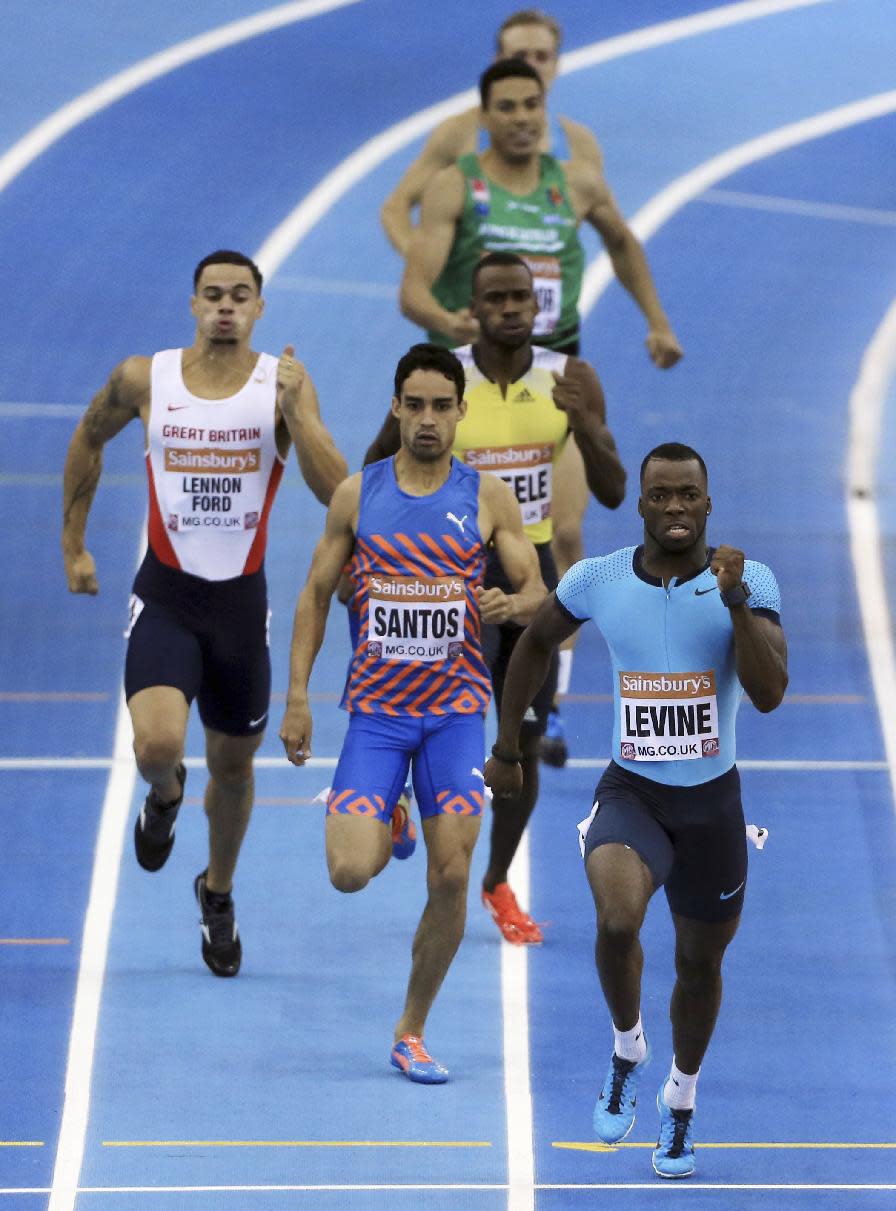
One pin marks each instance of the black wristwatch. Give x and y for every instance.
(736, 595)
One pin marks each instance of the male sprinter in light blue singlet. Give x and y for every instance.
(689, 628)
(417, 528)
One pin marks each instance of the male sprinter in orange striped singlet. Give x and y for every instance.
(416, 527)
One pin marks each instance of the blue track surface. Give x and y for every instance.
(774, 308)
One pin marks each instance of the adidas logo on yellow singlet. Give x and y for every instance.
(524, 397)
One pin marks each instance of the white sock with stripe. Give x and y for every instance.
(680, 1090)
(631, 1044)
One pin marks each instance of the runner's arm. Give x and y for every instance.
(309, 624)
(320, 462)
(500, 513)
(760, 648)
(526, 672)
(628, 260)
(440, 150)
(117, 403)
(428, 252)
(578, 393)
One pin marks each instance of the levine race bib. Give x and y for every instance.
(668, 716)
(415, 619)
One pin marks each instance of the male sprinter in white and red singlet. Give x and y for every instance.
(219, 419)
(417, 527)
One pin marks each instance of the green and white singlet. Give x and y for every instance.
(541, 227)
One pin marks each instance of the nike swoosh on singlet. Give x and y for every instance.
(177, 407)
(701, 592)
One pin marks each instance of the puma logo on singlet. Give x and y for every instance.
(458, 521)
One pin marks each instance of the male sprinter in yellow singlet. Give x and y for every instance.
(218, 419)
(522, 404)
(416, 527)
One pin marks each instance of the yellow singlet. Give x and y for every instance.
(518, 437)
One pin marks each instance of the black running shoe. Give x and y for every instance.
(154, 827)
(221, 946)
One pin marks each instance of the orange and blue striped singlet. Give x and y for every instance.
(416, 565)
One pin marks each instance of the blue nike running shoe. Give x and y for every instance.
(614, 1110)
(674, 1152)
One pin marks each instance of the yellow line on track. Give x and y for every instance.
(297, 1144)
(597, 1147)
(21, 1143)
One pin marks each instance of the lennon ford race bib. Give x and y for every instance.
(668, 716)
(527, 470)
(410, 618)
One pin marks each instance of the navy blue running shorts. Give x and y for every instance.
(206, 638)
(692, 838)
(498, 643)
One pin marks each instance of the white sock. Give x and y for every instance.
(631, 1044)
(564, 671)
(680, 1090)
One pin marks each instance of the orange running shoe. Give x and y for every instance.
(409, 1054)
(404, 832)
(517, 926)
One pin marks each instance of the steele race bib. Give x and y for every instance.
(668, 716)
(411, 618)
(528, 470)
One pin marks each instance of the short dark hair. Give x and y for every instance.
(226, 256)
(496, 258)
(430, 357)
(673, 452)
(529, 16)
(506, 69)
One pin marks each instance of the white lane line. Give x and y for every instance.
(517, 1080)
(812, 210)
(58, 124)
(279, 763)
(866, 405)
(686, 188)
(281, 243)
(867, 401)
(92, 966)
(654, 1186)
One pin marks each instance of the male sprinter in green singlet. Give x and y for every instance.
(535, 37)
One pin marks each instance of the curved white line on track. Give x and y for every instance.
(282, 241)
(670, 200)
(48, 132)
(866, 407)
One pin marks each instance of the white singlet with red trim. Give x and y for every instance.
(213, 469)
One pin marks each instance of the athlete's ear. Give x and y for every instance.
(462, 407)
(708, 505)
(640, 508)
(396, 405)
